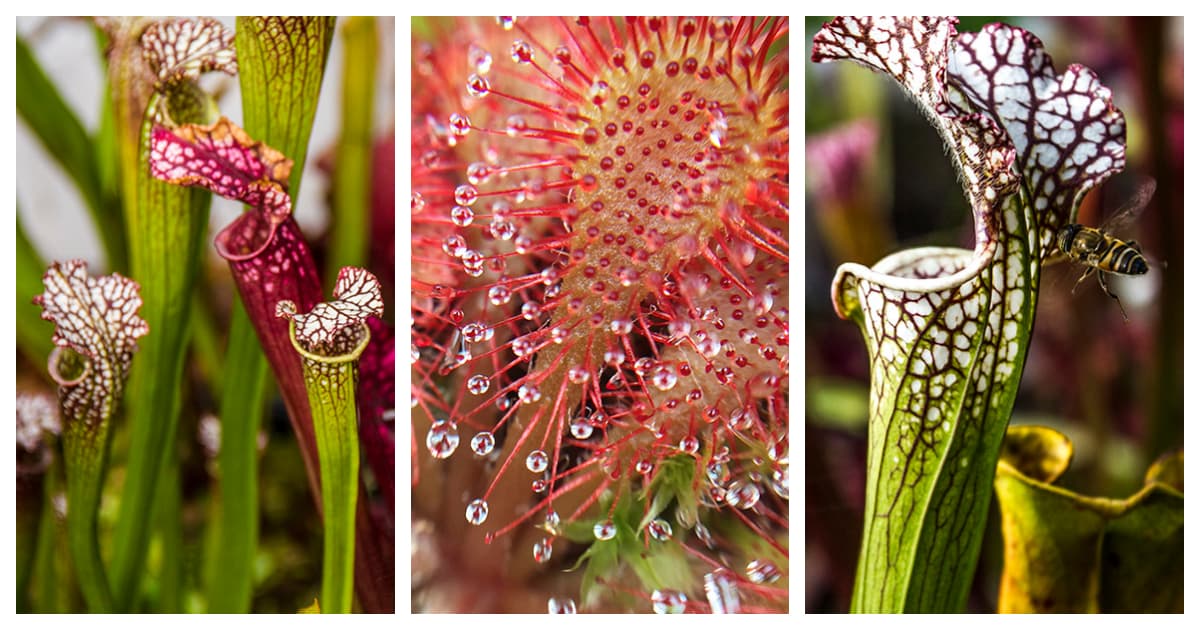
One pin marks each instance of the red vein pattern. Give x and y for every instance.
(335, 328)
(948, 329)
(224, 159)
(181, 49)
(97, 319)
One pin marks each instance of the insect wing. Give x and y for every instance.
(1132, 209)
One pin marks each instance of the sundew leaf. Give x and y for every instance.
(1067, 552)
(947, 329)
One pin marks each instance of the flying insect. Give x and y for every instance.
(1104, 253)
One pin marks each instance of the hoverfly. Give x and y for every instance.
(1103, 253)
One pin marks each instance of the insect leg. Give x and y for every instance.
(1086, 273)
(1104, 285)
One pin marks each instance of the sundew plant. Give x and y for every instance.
(600, 315)
(949, 332)
(205, 411)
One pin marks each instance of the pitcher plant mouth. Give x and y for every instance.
(947, 330)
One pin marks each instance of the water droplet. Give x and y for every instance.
(679, 328)
(664, 378)
(478, 384)
(478, 173)
(705, 536)
(515, 125)
(718, 130)
(502, 230)
(709, 347)
(418, 203)
(780, 482)
(689, 444)
(478, 86)
(581, 429)
(561, 606)
(466, 195)
(475, 332)
(643, 466)
(720, 588)
(538, 486)
(459, 125)
(659, 530)
(499, 295)
(717, 473)
(529, 394)
(614, 356)
(483, 443)
(442, 439)
(477, 511)
(562, 55)
(506, 22)
(462, 216)
(621, 326)
(578, 375)
(523, 346)
(531, 310)
(605, 530)
(668, 602)
(537, 461)
(480, 59)
(542, 550)
(762, 572)
(454, 245)
(552, 523)
(521, 51)
(743, 494)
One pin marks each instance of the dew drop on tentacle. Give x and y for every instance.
(557, 606)
(762, 572)
(604, 530)
(442, 439)
(720, 587)
(478, 384)
(477, 512)
(483, 443)
(659, 529)
(537, 461)
(543, 550)
(581, 429)
(668, 602)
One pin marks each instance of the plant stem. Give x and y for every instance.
(85, 450)
(242, 393)
(167, 229)
(331, 383)
(352, 173)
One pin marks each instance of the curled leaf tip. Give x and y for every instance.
(184, 48)
(225, 160)
(96, 329)
(337, 328)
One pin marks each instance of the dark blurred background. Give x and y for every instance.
(878, 180)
